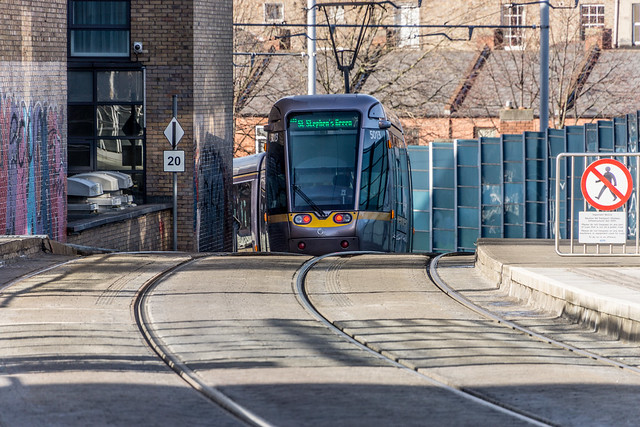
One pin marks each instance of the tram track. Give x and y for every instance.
(449, 291)
(214, 395)
(299, 286)
(340, 274)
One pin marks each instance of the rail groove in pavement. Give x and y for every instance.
(437, 280)
(299, 286)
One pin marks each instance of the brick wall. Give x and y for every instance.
(213, 123)
(187, 52)
(33, 98)
(151, 232)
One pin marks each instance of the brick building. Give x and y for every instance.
(33, 126)
(478, 79)
(123, 61)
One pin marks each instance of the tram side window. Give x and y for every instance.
(375, 170)
(242, 215)
(276, 176)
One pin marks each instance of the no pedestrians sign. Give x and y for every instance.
(606, 184)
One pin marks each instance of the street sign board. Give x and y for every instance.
(174, 161)
(606, 184)
(602, 227)
(174, 132)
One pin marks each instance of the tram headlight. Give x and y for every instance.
(342, 218)
(302, 219)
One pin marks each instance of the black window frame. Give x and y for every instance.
(93, 140)
(72, 26)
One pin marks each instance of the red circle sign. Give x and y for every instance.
(606, 184)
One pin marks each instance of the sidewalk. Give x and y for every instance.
(603, 293)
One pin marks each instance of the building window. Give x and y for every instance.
(106, 122)
(513, 15)
(99, 28)
(408, 36)
(591, 16)
(261, 139)
(273, 12)
(636, 23)
(484, 132)
(412, 136)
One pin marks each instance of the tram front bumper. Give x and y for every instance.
(323, 245)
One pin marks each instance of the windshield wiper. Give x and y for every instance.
(310, 202)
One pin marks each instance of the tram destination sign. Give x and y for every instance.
(323, 121)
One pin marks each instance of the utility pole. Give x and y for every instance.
(544, 65)
(311, 47)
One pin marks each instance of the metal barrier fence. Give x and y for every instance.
(504, 187)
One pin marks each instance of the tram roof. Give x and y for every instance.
(326, 102)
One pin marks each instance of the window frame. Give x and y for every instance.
(408, 36)
(513, 38)
(72, 27)
(635, 24)
(595, 11)
(94, 139)
(279, 7)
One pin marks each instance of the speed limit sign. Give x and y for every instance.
(174, 161)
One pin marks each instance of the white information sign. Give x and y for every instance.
(602, 227)
(174, 161)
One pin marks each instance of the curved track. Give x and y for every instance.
(382, 338)
(444, 287)
(499, 352)
(303, 295)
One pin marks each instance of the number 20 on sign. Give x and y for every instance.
(174, 161)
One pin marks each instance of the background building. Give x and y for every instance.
(87, 86)
(461, 73)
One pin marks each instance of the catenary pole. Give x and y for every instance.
(544, 65)
(311, 47)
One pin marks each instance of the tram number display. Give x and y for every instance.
(174, 161)
(323, 121)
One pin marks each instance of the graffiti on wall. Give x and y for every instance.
(212, 188)
(32, 169)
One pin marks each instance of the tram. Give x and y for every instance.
(335, 177)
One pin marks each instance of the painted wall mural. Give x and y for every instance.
(33, 169)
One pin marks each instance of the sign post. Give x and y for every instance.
(174, 162)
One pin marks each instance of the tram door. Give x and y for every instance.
(402, 202)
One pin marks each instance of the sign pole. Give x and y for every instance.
(175, 177)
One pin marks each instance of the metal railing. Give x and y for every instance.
(571, 170)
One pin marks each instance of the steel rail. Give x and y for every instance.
(300, 290)
(435, 278)
(141, 315)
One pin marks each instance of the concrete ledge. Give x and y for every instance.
(535, 275)
(13, 248)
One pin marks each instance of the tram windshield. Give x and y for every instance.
(323, 149)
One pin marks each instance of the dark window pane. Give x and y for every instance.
(120, 86)
(81, 120)
(276, 176)
(375, 166)
(119, 154)
(323, 148)
(80, 86)
(119, 120)
(112, 43)
(79, 155)
(99, 13)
